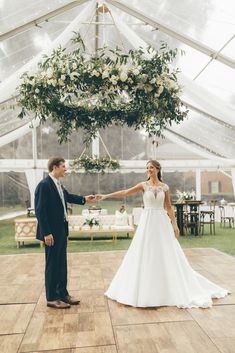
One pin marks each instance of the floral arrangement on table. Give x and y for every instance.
(108, 87)
(94, 164)
(185, 195)
(91, 221)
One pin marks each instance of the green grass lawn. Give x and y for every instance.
(10, 209)
(224, 240)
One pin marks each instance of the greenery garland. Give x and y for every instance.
(108, 87)
(94, 164)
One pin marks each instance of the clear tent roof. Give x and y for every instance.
(195, 27)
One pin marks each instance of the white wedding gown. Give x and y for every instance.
(155, 271)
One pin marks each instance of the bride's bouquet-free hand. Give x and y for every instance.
(100, 197)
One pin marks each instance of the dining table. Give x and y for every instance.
(190, 209)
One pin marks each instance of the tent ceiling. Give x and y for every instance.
(205, 30)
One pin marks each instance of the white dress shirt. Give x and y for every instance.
(60, 191)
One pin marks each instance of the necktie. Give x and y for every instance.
(62, 199)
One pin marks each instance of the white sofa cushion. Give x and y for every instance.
(121, 219)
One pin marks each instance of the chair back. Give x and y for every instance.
(222, 212)
(212, 204)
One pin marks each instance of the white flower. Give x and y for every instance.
(73, 75)
(159, 80)
(74, 66)
(144, 77)
(37, 90)
(153, 80)
(113, 79)
(136, 71)
(160, 90)
(106, 68)
(172, 84)
(49, 73)
(105, 74)
(123, 76)
(63, 77)
(95, 73)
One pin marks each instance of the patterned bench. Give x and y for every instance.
(25, 228)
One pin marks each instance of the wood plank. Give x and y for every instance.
(171, 337)
(15, 294)
(70, 350)
(10, 343)
(15, 318)
(224, 282)
(225, 345)
(123, 314)
(103, 349)
(85, 277)
(200, 251)
(91, 301)
(217, 322)
(78, 259)
(59, 330)
(89, 328)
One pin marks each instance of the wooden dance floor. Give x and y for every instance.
(99, 325)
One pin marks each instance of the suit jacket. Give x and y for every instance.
(49, 209)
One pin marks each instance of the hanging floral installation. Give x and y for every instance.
(94, 164)
(108, 87)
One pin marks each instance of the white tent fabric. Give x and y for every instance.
(199, 97)
(191, 90)
(8, 87)
(33, 177)
(209, 130)
(16, 134)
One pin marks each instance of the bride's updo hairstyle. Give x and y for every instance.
(157, 165)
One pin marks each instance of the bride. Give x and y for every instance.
(155, 271)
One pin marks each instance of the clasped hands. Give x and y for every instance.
(94, 198)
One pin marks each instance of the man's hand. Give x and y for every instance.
(99, 197)
(90, 198)
(49, 240)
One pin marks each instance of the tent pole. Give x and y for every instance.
(198, 184)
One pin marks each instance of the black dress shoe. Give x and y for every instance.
(70, 300)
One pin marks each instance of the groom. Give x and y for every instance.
(51, 212)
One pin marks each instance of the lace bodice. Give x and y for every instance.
(154, 196)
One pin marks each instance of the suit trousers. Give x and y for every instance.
(56, 267)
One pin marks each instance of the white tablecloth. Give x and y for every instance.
(87, 212)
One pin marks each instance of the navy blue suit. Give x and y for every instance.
(50, 215)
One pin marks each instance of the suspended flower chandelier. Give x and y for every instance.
(108, 87)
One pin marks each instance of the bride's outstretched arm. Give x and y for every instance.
(171, 213)
(121, 193)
